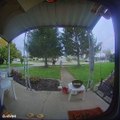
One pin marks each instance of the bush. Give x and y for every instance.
(16, 75)
(1, 61)
(34, 79)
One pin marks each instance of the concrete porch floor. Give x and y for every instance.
(54, 105)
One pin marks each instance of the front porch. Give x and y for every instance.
(54, 105)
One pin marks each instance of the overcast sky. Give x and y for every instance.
(103, 31)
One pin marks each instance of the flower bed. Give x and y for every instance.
(37, 83)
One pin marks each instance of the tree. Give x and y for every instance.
(76, 42)
(2, 42)
(1, 61)
(44, 43)
(112, 57)
(14, 53)
(107, 54)
(21, 60)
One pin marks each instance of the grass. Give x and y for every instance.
(101, 71)
(50, 72)
(4, 66)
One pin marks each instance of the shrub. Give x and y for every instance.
(1, 61)
(16, 75)
(34, 79)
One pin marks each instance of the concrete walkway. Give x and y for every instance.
(66, 77)
(53, 104)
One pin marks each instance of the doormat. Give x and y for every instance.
(84, 114)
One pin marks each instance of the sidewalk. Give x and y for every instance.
(66, 77)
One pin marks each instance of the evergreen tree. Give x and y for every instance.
(44, 43)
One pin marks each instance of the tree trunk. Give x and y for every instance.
(6, 61)
(46, 65)
(77, 46)
(78, 60)
(78, 56)
(53, 61)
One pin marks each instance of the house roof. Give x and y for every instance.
(18, 16)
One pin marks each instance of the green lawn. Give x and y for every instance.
(101, 71)
(4, 66)
(50, 72)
